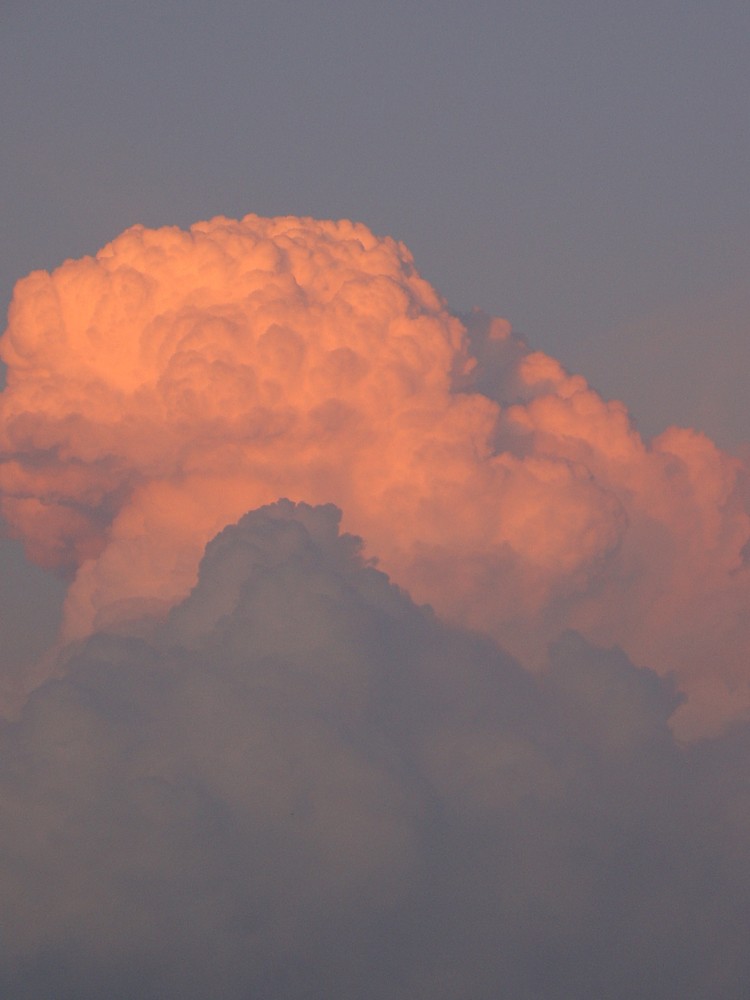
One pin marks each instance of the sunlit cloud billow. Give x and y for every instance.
(162, 388)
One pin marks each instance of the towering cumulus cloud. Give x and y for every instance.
(162, 388)
(258, 764)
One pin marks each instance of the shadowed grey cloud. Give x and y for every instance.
(303, 785)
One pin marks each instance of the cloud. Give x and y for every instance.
(301, 784)
(163, 387)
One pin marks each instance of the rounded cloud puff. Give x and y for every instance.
(158, 390)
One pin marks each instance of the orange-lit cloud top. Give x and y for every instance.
(175, 380)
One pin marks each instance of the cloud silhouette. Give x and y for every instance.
(301, 784)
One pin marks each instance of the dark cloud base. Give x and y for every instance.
(302, 785)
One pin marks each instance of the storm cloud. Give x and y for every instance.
(302, 784)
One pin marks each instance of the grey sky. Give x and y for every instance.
(579, 168)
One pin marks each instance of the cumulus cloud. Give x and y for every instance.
(163, 387)
(301, 784)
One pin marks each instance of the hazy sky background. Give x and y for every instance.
(580, 168)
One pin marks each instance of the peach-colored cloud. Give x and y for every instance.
(165, 386)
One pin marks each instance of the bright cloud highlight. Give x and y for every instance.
(175, 380)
